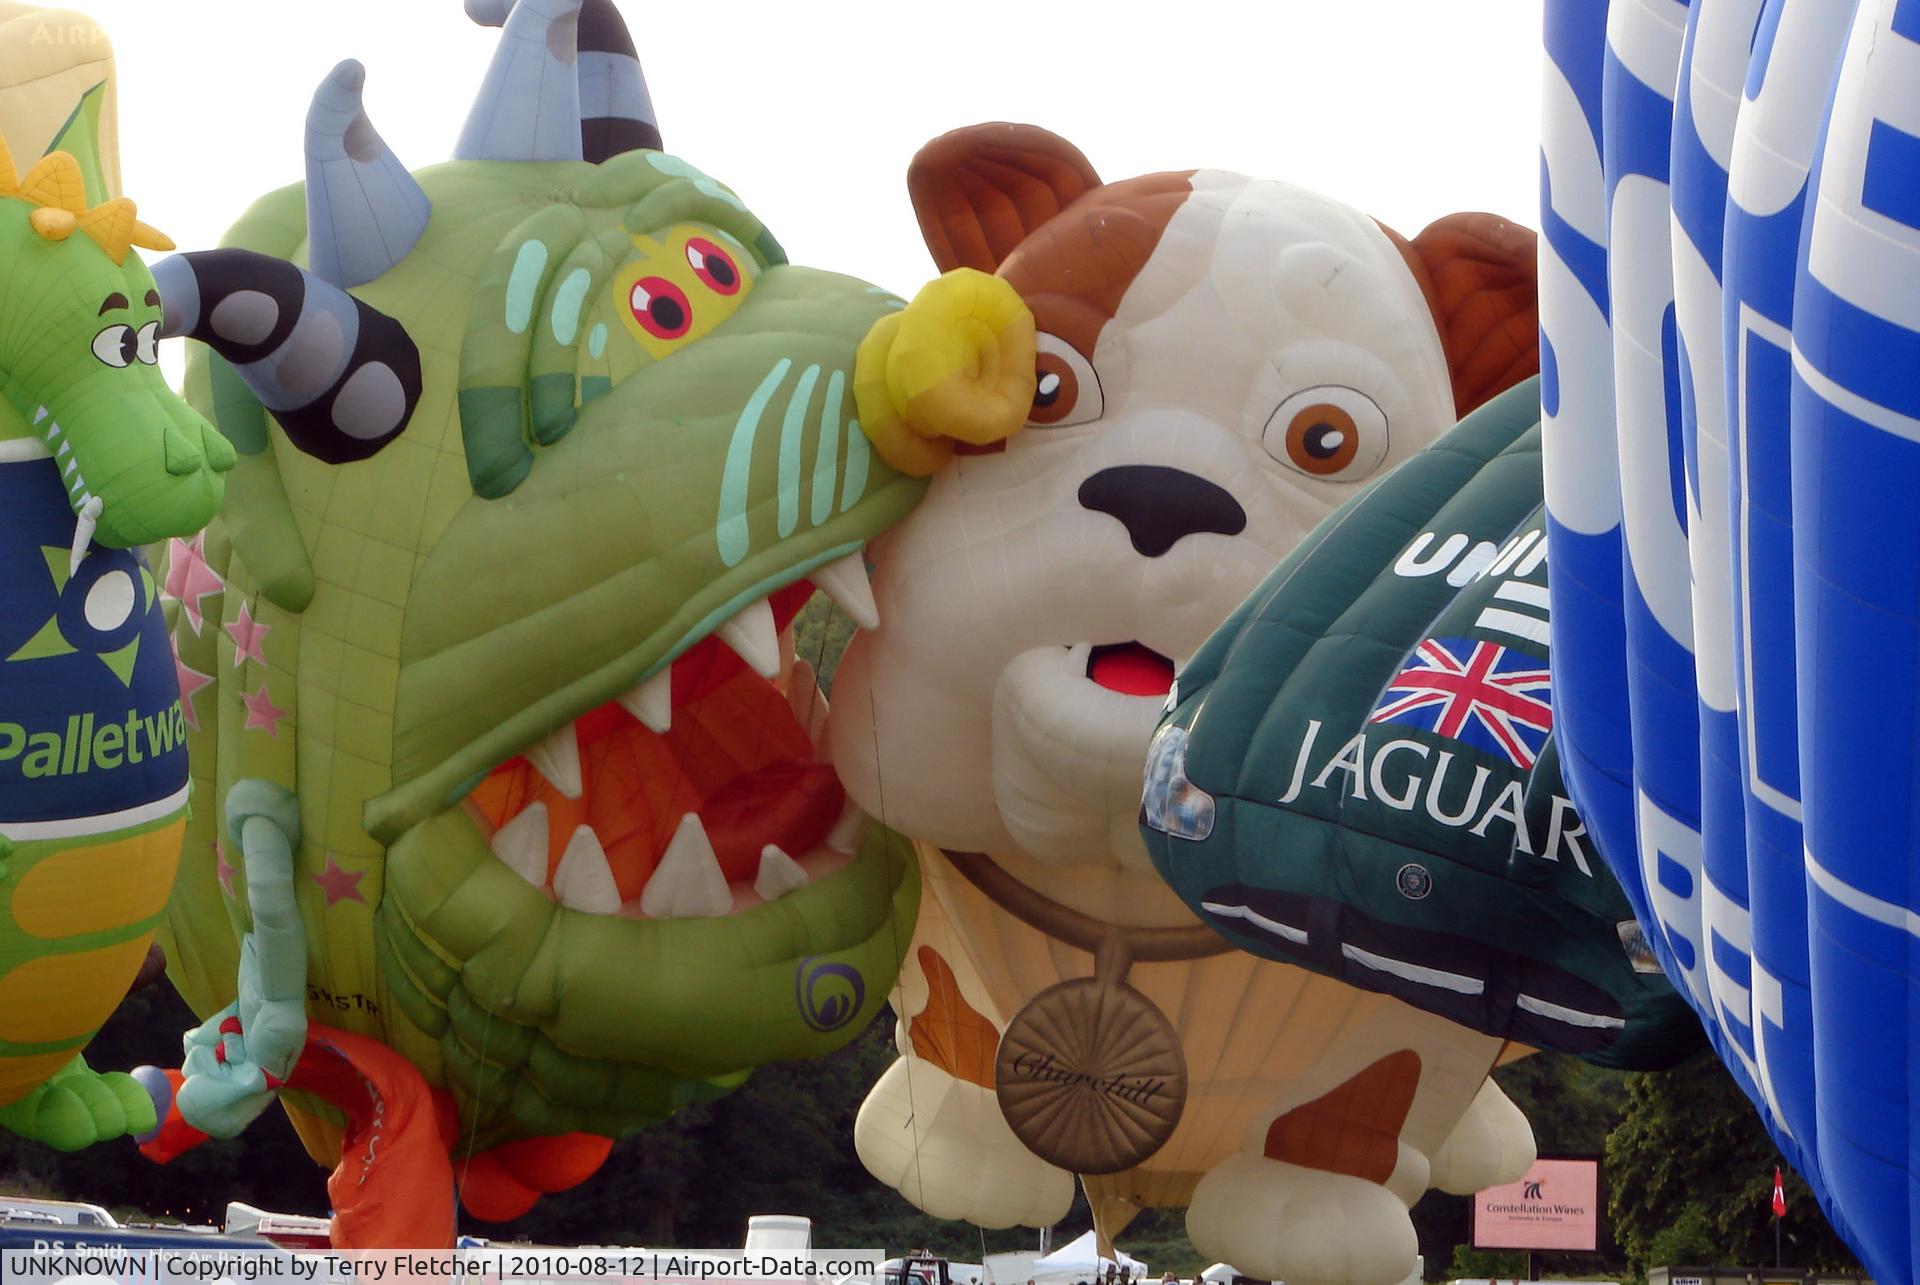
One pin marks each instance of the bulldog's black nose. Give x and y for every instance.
(1159, 507)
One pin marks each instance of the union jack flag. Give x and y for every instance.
(1479, 692)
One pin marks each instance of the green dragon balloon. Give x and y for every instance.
(97, 455)
(510, 776)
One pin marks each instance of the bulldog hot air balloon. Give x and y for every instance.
(1223, 361)
(1776, 873)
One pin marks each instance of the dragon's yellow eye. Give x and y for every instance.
(680, 285)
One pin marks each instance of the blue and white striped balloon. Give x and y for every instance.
(1795, 52)
(1730, 304)
(1855, 410)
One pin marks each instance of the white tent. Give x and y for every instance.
(1080, 1260)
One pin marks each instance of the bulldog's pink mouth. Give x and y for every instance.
(1130, 669)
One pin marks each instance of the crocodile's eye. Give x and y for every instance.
(660, 307)
(117, 346)
(714, 266)
(147, 346)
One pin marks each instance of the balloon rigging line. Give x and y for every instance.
(473, 1134)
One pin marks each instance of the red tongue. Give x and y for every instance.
(1131, 669)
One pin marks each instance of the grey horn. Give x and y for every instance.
(364, 211)
(529, 104)
(616, 111)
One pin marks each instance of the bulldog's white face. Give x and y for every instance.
(1272, 353)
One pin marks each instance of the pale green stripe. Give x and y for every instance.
(524, 284)
(567, 299)
(791, 430)
(730, 532)
(731, 607)
(827, 462)
(856, 483)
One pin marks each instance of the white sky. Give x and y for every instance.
(1408, 109)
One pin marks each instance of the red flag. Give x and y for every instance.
(1779, 1195)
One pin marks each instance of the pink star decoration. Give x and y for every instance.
(223, 869)
(191, 680)
(262, 713)
(190, 578)
(248, 634)
(338, 884)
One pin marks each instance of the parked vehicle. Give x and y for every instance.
(70, 1213)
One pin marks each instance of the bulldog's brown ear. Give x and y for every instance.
(980, 191)
(1479, 274)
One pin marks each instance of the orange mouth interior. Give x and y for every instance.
(736, 754)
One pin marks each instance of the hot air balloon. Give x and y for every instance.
(1358, 774)
(1222, 362)
(509, 810)
(97, 457)
(1726, 293)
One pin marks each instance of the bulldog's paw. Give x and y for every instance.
(1492, 1144)
(1278, 1221)
(942, 1143)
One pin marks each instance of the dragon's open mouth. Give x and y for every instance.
(698, 793)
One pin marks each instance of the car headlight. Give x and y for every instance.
(1170, 803)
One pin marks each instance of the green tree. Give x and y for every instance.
(1691, 1170)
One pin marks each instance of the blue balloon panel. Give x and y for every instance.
(1730, 289)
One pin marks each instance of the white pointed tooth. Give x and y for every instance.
(558, 758)
(849, 830)
(522, 844)
(779, 874)
(787, 653)
(583, 880)
(806, 700)
(688, 883)
(652, 701)
(754, 639)
(83, 529)
(845, 581)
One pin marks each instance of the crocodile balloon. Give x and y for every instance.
(97, 455)
(509, 775)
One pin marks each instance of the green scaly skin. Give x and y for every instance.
(78, 383)
(420, 634)
(119, 433)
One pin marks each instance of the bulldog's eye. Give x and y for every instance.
(117, 346)
(1066, 388)
(1330, 432)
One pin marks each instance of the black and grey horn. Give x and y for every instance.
(364, 211)
(341, 378)
(558, 57)
(616, 112)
